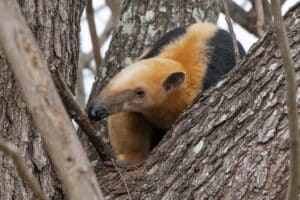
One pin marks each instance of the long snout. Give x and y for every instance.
(97, 110)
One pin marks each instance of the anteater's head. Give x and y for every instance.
(148, 87)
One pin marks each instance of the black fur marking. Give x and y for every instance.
(221, 61)
(221, 57)
(158, 136)
(165, 40)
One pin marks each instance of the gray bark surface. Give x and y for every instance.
(55, 24)
(232, 143)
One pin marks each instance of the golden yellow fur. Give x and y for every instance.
(190, 52)
(131, 133)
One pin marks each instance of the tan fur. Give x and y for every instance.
(130, 136)
(130, 133)
(190, 51)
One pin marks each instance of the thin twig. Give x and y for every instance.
(267, 14)
(247, 19)
(100, 8)
(114, 6)
(282, 41)
(84, 61)
(80, 93)
(93, 34)
(107, 31)
(85, 58)
(234, 41)
(260, 17)
(74, 110)
(11, 150)
(122, 178)
(240, 16)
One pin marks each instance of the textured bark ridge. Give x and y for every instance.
(232, 143)
(55, 25)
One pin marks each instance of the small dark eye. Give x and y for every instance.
(139, 93)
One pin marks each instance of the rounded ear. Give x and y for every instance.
(173, 81)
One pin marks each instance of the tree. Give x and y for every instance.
(55, 25)
(232, 143)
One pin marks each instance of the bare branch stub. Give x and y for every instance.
(234, 41)
(102, 147)
(294, 136)
(11, 150)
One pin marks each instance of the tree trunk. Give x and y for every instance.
(232, 143)
(55, 25)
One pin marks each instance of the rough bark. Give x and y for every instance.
(232, 143)
(55, 24)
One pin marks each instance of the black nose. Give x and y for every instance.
(97, 111)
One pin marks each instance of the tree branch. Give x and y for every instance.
(267, 14)
(242, 17)
(93, 33)
(84, 59)
(234, 41)
(74, 110)
(248, 20)
(100, 8)
(294, 137)
(260, 17)
(11, 150)
(29, 68)
(114, 7)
